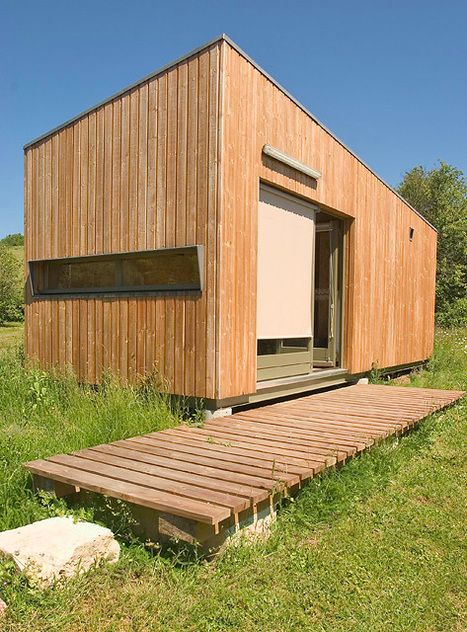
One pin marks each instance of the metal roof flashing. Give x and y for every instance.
(215, 40)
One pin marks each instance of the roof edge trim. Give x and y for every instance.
(240, 51)
(129, 88)
(318, 122)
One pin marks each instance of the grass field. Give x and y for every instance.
(18, 252)
(11, 335)
(378, 545)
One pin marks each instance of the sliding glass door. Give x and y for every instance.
(326, 294)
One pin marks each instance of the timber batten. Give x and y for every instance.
(232, 468)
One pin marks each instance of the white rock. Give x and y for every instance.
(58, 547)
(3, 608)
(363, 380)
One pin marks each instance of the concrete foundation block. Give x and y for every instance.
(258, 527)
(56, 548)
(250, 528)
(218, 412)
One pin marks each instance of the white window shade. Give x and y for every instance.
(285, 266)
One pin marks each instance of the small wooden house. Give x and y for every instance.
(201, 224)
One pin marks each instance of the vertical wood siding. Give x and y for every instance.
(390, 280)
(138, 173)
(177, 161)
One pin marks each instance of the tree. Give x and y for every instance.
(11, 287)
(13, 240)
(440, 195)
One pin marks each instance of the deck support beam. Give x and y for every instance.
(41, 483)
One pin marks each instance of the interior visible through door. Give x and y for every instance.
(327, 291)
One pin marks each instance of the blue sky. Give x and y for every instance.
(389, 78)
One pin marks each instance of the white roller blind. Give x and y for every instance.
(285, 264)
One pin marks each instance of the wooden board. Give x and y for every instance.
(231, 465)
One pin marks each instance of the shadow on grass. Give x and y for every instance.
(118, 516)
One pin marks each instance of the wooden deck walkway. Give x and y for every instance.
(225, 471)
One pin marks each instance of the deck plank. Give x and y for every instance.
(254, 495)
(258, 447)
(247, 454)
(231, 466)
(287, 445)
(151, 482)
(208, 469)
(320, 434)
(211, 473)
(293, 435)
(321, 428)
(154, 499)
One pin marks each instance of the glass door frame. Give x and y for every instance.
(327, 356)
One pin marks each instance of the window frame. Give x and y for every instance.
(117, 289)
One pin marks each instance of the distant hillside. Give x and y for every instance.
(15, 244)
(17, 239)
(11, 283)
(18, 253)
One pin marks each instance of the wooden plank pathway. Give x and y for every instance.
(232, 464)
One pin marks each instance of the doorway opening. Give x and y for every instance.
(300, 276)
(327, 291)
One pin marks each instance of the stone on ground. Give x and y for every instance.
(3, 608)
(56, 548)
(402, 379)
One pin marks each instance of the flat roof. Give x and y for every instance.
(215, 40)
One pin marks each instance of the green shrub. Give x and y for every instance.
(11, 287)
(454, 315)
(17, 239)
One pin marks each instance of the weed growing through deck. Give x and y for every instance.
(225, 444)
(375, 375)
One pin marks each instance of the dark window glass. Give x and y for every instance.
(295, 343)
(83, 275)
(322, 287)
(282, 345)
(156, 270)
(164, 269)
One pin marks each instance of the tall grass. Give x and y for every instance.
(11, 335)
(376, 545)
(42, 414)
(447, 368)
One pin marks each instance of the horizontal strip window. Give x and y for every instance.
(140, 272)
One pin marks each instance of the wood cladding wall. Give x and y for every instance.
(138, 173)
(389, 294)
(177, 160)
